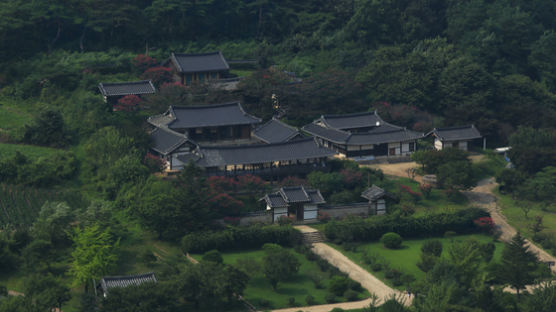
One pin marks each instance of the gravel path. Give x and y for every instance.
(355, 272)
(482, 196)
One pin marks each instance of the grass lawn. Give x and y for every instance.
(31, 151)
(299, 287)
(12, 118)
(406, 258)
(242, 72)
(513, 211)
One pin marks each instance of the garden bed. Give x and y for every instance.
(406, 258)
(309, 281)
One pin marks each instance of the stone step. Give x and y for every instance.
(313, 237)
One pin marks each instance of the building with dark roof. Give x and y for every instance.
(110, 282)
(455, 137)
(266, 160)
(199, 67)
(115, 90)
(377, 199)
(295, 201)
(363, 134)
(169, 146)
(208, 124)
(275, 131)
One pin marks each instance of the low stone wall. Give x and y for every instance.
(264, 218)
(341, 211)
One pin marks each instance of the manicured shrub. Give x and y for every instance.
(391, 240)
(371, 229)
(213, 256)
(310, 300)
(264, 303)
(432, 247)
(354, 285)
(330, 298)
(291, 302)
(377, 266)
(317, 281)
(427, 262)
(240, 238)
(338, 285)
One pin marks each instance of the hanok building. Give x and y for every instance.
(275, 131)
(363, 134)
(171, 146)
(219, 124)
(266, 160)
(113, 91)
(377, 199)
(298, 202)
(456, 137)
(110, 282)
(199, 68)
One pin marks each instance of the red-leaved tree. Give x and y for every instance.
(158, 75)
(127, 103)
(143, 62)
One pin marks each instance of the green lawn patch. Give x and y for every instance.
(299, 287)
(406, 258)
(12, 118)
(514, 211)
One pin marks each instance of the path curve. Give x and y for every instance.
(372, 284)
(483, 197)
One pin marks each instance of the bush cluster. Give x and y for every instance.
(391, 240)
(240, 238)
(371, 229)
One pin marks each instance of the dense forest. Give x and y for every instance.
(81, 198)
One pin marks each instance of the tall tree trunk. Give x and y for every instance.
(260, 23)
(53, 42)
(81, 39)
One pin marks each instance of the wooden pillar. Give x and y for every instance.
(484, 143)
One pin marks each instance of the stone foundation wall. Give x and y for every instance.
(341, 211)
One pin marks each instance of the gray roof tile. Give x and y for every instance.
(166, 141)
(373, 193)
(262, 153)
(124, 281)
(275, 131)
(468, 132)
(292, 195)
(225, 114)
(126, 88)
(351, 121)
(385, 133)
(200, 62)
(333, 135)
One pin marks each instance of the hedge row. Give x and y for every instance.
(371, 229)
(240, 238)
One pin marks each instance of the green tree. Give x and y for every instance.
(146, 297)
(518, 264)
(94, 254)
(543, 59)
(533, 149)
(46, 291)
(47, 129)
(279, 264)
(455, 175)
(53, 222)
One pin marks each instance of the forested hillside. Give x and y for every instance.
(80, 197)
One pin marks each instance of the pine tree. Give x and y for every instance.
(518, 264)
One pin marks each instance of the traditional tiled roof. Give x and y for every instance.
(292, 195)
(124, 281)
(186, 158)
(275, 200)
(126, 88)
(468, 132)
(165, 141)
(351, 121)
(275, 131)
(200, 62)
(262, 153)
(386, 133)
(373, 193)
(225, 114)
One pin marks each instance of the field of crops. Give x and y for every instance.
(20, 206)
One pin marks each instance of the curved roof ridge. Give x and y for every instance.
(348, 114)
(247, 146)
(207, 105)
(196, 54)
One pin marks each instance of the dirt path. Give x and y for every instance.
(355, 272)
(398, 170)
(482, 196)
